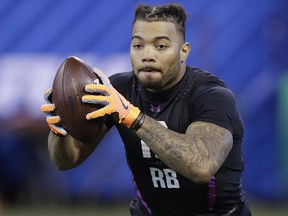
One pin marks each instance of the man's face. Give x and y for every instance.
(156, 52)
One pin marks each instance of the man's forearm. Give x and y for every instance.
(63, 151)
(67, 152)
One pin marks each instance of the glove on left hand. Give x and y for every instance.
(112, 101)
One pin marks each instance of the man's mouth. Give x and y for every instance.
(149, 69)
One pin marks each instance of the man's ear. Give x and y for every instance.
(185, 50)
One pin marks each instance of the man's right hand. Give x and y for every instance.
(53, 120)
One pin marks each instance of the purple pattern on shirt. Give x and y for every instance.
(212, 192)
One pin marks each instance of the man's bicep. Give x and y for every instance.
(212, 141)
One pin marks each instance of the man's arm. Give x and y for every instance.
(197, 154)
(66, 152)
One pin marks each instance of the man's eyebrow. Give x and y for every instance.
(136, 37)
(156, 38)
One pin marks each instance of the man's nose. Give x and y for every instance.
(148, 55)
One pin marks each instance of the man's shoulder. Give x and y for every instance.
(121, 78)
(206, 77)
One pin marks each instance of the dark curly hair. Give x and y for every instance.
(174, 13)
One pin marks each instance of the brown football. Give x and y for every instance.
(68, 89)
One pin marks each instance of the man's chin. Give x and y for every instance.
(151, 86)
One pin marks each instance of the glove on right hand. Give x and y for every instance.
(53, 120)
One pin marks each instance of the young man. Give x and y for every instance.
(180, 125)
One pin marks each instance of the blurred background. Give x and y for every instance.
(243, 42)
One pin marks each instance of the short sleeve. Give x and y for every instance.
(216, 105)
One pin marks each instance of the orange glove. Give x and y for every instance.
(112, 101)
(53, 120)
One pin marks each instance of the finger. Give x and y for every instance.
(96, 99)
(47, 95)
(48, 107)
(58, 130)
(102, 76)
(98, 113)
(97, 88)
(53, 119)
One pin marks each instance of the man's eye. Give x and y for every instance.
(161, 46)
(137, 46)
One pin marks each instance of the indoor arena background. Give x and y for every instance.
(243, 42)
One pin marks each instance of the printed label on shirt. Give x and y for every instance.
(165, 178)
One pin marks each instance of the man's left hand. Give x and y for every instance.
(111, 100)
